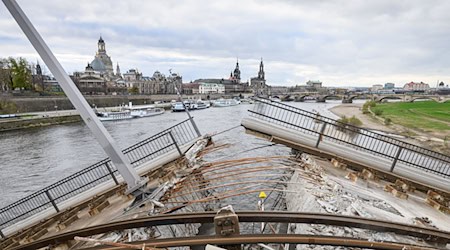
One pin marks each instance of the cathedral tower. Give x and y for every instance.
(237, 71)
(101, 46)
(261, 70)
(102, 62)
(117, 70)
(38, 69)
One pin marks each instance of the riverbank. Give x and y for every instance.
(431, 140)
(43, 119)
(13, 104)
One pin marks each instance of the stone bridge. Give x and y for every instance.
(301, 97)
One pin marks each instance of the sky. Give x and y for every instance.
(342, 43)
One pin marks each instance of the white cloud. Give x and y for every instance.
(339, 42)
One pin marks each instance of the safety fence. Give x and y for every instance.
(161, 143)
(361, 139)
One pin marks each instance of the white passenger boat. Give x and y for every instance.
(114, 116)
(144, 110)
(200, 104)
(226, 102)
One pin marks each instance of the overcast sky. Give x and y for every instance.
(342, 43)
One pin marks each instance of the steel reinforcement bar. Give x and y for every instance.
(268, 238)
(358, 138)
(139, 153)
(430, 234)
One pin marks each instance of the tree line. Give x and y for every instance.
(15, 73)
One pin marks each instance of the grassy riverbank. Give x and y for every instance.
(427, 116)
(416, 129)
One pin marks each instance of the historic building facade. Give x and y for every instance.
(157, 84)
(231, 85)
(99, 78)
(416, 86)
(90, 82)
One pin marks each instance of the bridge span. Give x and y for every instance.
(314, 134)
(348, 98)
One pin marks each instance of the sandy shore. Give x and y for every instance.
(354, 109)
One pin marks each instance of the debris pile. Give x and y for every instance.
(314, 188)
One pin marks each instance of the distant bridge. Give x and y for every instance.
(304, 96)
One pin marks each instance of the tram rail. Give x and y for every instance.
(428, 234)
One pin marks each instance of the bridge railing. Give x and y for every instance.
(139, 153)
(328, 129)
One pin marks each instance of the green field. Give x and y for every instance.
(424, 115)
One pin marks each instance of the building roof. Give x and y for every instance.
(98, 65)
(190, 85)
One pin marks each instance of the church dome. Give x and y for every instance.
(98, 65)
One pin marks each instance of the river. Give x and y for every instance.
(34, 158)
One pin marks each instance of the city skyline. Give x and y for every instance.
(341, 43)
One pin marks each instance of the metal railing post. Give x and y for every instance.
(112, 173)
(321, 134)
(396, 158)
(194, 125)
(175, 142)
(51, 200)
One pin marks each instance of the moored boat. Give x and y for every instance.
(200, 104)
(226, 102)
(144, 111)
(114, 116)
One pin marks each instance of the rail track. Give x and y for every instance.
(428, 234)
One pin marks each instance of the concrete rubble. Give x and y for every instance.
(319, 189)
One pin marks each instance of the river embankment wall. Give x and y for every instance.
(40, 104)
(38, 122)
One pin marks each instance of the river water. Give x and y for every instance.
(32, 159)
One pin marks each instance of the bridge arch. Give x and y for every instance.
(389, 97)
(433, 98)
(301, 98)
(363, 96)
(324, 98)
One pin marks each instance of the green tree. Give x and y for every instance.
(20, 73)
(5, 75)
(133, 90)
(344, 122)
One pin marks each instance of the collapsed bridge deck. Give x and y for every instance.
(315, 134)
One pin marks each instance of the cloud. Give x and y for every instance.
(340, 42)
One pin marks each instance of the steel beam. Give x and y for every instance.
(248, 217)
(101, 134)
(316, 240)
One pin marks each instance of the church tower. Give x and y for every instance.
(38, 69)
(101, 46)
(102, 62)
(118, 70)
(237, 71)
(261, 70)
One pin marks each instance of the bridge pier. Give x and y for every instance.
(320, 99)
(345, 100)
(299, 99)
